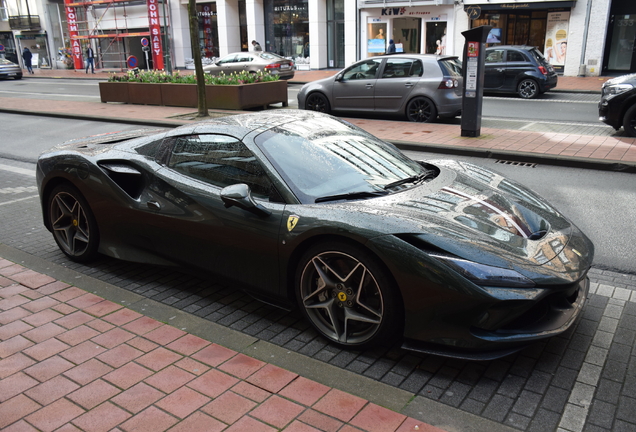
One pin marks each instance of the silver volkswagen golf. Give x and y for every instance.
(418, 86)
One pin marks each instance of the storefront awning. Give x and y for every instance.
(527, 5)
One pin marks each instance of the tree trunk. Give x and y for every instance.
(196, 55)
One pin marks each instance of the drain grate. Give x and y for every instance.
(516, 163)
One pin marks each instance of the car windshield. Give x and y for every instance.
(326, 159)
(453, 67)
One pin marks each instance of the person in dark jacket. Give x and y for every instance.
(90, 59)
(391, 48)
(27, 56)
(257, 46)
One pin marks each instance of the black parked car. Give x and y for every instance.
(305, 208)
(518, 69)
(618, 103)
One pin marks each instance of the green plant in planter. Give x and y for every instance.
(160, 77)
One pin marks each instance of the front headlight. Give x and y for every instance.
(617, 89)
(485, 275)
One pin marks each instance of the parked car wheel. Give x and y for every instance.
(629, 121)
(73, 224)
(318, 102)
(421, 110)
(347, 295)
(528, 89)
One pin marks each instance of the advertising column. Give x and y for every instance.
(155, 35)
(556, 39)
(76, 47)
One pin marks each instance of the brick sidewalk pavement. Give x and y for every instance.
(71, 360)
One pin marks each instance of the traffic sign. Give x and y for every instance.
(131, 61)
(1, 47)
(144, 42)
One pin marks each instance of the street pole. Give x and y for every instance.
(165, 32)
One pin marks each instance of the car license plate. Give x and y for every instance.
(285, 66)
(12, 74)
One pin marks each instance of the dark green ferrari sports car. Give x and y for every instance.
(304, 209)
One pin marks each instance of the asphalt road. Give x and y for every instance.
(550, 112)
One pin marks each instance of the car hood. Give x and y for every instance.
(479, 215)
(628, 79)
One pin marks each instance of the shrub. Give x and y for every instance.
(153, 76)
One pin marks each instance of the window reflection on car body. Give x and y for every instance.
(351, 196)
(412, 179)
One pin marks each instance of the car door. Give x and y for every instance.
(226, 64)
(494, 70)
(355, 88)
(244, 62)
(192, 224)
(517, 65)
(398, 78)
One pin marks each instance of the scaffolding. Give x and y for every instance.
(111, 27)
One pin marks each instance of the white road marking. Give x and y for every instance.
(17, 170)
(19, 199)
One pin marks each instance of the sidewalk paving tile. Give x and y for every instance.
(101, 419)
(138, 397)
(182, 402)
(86, 372)
(229, 407)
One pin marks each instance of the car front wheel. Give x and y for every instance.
(629, 121)
(421, 110)
(528, 89)
(73, 224)
(347, 295)
(317, 102)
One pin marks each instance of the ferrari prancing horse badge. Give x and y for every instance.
(291, 222)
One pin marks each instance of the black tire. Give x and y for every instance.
(318, 102)
(528, 89)
(421, 109)
(18, 77)
(629, 121)
(73, 224)
(347, 295)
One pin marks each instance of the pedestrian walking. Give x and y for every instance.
(90, 59)
(27, 56)
(257, 46)
(391, 48)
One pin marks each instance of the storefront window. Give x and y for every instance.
(208, 30)
(287, 27)
(10, 53)
(622, 45)
(335, 33)
(38, 47)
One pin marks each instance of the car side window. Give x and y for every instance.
(220, 160)
(244, 58)
(515, 56)
(397, 68)
(495, 56)
(228, 59)
(364, 70)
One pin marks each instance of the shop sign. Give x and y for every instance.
(556, 38)
(155, 34)
(76, 47)
(393, 11)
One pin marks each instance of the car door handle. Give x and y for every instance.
(409, 84)
(369, 86)
(153, 205)
(500, 69)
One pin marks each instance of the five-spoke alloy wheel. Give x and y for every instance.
(73, 224)
(347, 295)
(528, 89)
(421, 110)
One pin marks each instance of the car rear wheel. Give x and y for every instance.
(629, 121)
(318, 102)
(421, 109)
(347, 295)
(73, 224)
(528, 89)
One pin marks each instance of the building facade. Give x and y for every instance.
(580, 37)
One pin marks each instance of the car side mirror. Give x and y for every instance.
(339, 76)
(240, 195)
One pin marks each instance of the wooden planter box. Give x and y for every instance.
(180, 95)
(113, 92)
(234, 97)
(144, 93)
(238, 97)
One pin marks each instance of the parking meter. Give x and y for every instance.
(473, 71)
